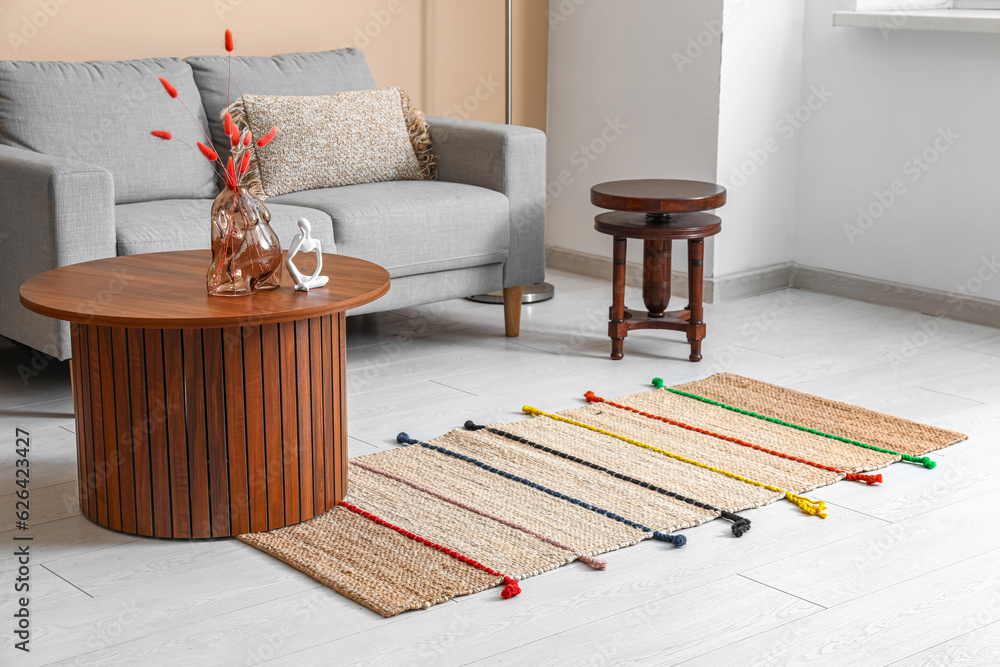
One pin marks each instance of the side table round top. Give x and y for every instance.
(676, 226)
(166, 290)
(655, 195)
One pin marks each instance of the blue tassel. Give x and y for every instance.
(676, 540)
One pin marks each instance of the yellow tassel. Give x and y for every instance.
(807, 505)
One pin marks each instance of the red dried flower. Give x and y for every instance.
(161, 134)
(227, 124)
(231, 173)
(244, 163)
(266, 139)
(235, 139)
(229, 40)
(169, 87)
(208, 152)
(248, 139)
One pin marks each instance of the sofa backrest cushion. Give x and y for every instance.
(320, 73)
(102, 113)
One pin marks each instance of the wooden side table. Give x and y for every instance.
(201, 416)
(658, 211)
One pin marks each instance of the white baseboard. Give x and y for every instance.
(937, 303)
(751, 283)
(781, 276)
(728, 288)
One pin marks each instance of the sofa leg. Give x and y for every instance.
(512, 311)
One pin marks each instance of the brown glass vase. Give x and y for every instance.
(246, 253)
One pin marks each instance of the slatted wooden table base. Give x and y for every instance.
(191, 430)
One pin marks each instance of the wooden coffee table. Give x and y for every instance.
(658, 211)
(201, 416)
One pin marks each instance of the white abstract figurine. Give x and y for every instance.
(306, 243)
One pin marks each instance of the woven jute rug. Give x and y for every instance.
(482, 506)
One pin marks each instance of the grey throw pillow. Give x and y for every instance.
(102, 113)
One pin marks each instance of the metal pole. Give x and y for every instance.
(537, 291)
(510, 28)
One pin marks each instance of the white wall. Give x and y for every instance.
(612, 72)
(760, 99)
(896, 95)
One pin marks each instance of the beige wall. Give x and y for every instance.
(447, 54)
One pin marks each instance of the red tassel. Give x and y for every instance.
(229, 40)
(244, 163)
(161, 134)
(235, 139)
(227, 124)
(248, 139)
(867, 479)
(266, 139)
(511, 589)
(169, 87)
(208, 152)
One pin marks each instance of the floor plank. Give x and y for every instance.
(972, 649)
(880, 627)
(666, 631)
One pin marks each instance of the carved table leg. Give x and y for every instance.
(696, 271)
(656, 276)
(615, 331)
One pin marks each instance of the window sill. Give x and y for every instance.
(944, 20)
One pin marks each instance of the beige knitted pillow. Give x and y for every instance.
(360, 136)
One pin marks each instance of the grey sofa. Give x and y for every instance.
(82, 179)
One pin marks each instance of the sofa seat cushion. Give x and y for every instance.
(184, 224)
(102, 113)
(413, 227)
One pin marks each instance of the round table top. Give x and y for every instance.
(166, 290)
(658, 195)
(674, 226)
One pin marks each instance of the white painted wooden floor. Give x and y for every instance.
(902, 574)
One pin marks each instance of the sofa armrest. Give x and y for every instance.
(508, 159)
(53, 212)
